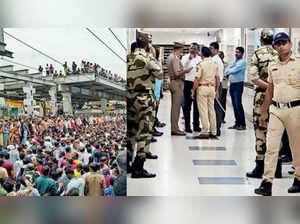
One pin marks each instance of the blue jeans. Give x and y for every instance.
(236, 92)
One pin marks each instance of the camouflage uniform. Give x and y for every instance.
(153, 106)
(259, 70)
(141, 71)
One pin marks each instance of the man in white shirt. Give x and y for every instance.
(214, 48)
(190, 61)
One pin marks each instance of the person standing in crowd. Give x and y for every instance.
(51, 69)
(24, 129)
(223, 96)
(1, 133)
(208, 80)
(94, 182)
(141, 70)
(236, 72)
(153, 131)
(214, 48)
(40, 69)
(47, 70)
(65, 65)
(283, 101)
(157, 88)
(5, 133)
(176, 73)
(74, 67)
(190, 61)
(258, 73)
(75, 182)
(120, 182)
(46, 185)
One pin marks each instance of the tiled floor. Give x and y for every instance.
(220, 166)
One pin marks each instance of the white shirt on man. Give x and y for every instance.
(187, 63)
(220, 64)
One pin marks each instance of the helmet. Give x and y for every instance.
(267, 34)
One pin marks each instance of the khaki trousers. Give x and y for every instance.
(205, 99)
(176, 88)
(281, 119)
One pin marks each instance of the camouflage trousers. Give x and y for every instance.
(260, 133)
(152, 121)
(139, 122)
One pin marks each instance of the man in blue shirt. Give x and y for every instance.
(236, 72)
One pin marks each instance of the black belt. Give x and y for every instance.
(286, 105)
(140, 91)
(260, 90)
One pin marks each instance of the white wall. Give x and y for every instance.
(295, 39)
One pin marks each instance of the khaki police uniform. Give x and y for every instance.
(285, 115)
(176, 88)
(207, 72)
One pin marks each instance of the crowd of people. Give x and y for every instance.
(85, 67)
(63, 156)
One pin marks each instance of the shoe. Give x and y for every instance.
(197, 129)
(211, 136)
(295, 188)
(218, 132)
(157, 133)
(149, 155)
(179, 133)
(265, 189)
(258, 171)
(241, 128)
(233, 127)
(286, 160)
(161, 124)
(291, 171)
(153, 140)
(138, 170)
(188, 130)
(202, 136)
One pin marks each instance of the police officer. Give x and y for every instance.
(258, 72)
(141, 70)
(208, 80)
(283, 94)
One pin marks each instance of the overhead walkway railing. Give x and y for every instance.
(16, 76)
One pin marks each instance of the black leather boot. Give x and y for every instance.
(149, 155)
(278, 172)
(295, 188)
(258, 171)
(156, 133)
(138, 170)
(265, 189)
